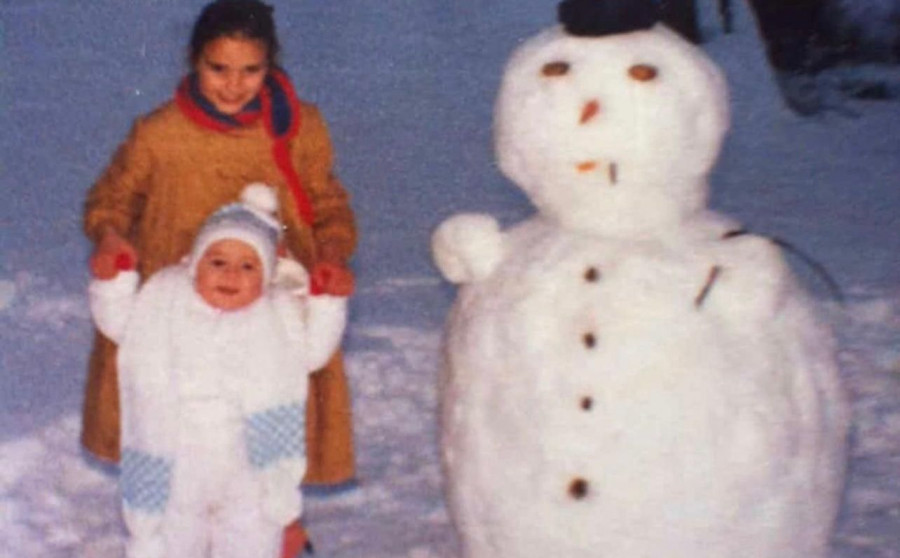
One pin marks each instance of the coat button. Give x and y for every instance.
(592, 275)
(587, 403)
(590, 340)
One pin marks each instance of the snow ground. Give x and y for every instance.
(407, 86)
(56, 503)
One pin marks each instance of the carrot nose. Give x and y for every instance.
(590, 110)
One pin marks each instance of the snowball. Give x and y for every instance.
(467, 247)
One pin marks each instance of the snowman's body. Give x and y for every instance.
(627, 377)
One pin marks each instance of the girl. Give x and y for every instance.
(234, 119)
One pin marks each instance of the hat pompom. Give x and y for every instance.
(261, 197)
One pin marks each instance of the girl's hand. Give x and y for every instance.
(295, 540)
(111, 255)
(331, 279)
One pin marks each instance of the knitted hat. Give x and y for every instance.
(251, 220)
(596, 18)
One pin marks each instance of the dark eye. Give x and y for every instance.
(643, 72)
(217, 262)
(248, 266)
(554, 69)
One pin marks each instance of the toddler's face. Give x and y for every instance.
(229, 275)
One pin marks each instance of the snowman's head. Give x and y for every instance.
(613, 134)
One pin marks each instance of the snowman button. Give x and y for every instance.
(578, 488)
(592, 275)
(590, 340)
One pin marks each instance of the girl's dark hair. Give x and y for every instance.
(248, 19)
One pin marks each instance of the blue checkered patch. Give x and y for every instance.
(145, 481)
(275, 434)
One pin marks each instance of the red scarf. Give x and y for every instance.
(276, 104)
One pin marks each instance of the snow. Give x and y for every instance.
(7, 293)
(407, 87)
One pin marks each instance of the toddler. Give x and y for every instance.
(214, 354)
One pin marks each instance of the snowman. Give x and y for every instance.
(628, 373)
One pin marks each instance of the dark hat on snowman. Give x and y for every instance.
(597, 18)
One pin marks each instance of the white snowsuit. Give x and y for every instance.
(213, 407)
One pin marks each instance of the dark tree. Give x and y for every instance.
(792, 31)
(726, 15)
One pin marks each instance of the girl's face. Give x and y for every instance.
(229, 275)
(231, 71)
